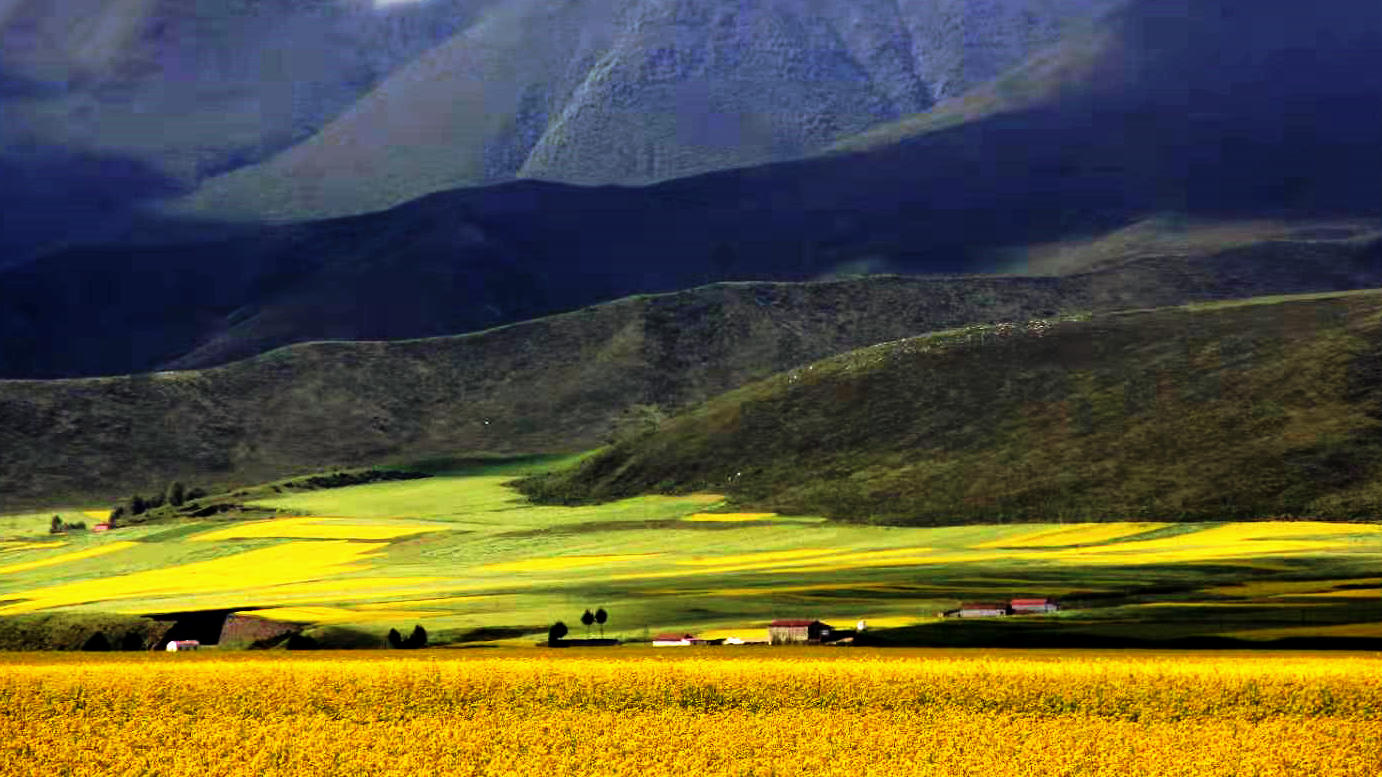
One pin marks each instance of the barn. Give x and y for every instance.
(674, 640)
(180, 645)
(789, 631)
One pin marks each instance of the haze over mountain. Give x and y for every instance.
(109, 102)
(638, 91)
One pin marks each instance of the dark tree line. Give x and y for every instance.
(558, 631)
(418, 639)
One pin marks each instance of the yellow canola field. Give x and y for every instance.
(1075, 534)
(67, 558)
(728, 517)
(99, 515)
(728, 712)
(1231, 541)
(293, 562)
(307, 528)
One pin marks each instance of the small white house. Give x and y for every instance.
(982, 611)
(673, 640)
(178, 645)
(1033, 605)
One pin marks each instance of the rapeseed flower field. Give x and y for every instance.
(745, 712)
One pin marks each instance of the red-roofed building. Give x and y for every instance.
(101, 527)
(790, 631)
(674, 640)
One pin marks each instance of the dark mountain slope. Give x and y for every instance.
(1211, 111)
(635, 91)
(552, 385)
(1232, 411)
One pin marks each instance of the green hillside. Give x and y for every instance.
(1265, 408)
(560, 384)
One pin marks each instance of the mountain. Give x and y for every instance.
(177, 91)
(1212, 112)
(1262, 408)
(560, 383)
(637, 91)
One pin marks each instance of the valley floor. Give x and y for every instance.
(464, 556)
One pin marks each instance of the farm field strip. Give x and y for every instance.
(739, 712)
(466, 544)
(302, 527)
(66, 558)
(1078, 534)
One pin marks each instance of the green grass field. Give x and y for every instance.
(463, 552)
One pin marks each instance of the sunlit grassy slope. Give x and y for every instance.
(1247, 410)
(463, 553)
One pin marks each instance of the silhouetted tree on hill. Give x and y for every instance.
(556, 633)
(418, 639)
(600, 617)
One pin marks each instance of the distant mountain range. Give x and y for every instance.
(1224, 110)
(633, 92)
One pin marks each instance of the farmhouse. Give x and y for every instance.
(980, 610)
(787, 632)
(674, 640)
(101, 527)
(1020, 606)
(179, 645)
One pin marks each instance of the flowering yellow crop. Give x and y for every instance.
(279, 565)
(746, 712)
(728, 517)
(320, 528)
(1075, 534)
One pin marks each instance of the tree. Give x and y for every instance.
(600, 617)
(418, 639)
(555, 634)
(587, 618)
(116, 514)
(395, 639)
(177, 494)
(137, 504)
(56, 527)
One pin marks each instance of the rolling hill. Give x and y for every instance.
(1244, 410)
(559, 383)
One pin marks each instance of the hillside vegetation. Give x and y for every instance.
(553, 385)
(1236, 411)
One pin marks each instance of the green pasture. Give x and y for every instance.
(479, 560)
